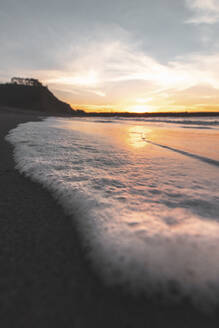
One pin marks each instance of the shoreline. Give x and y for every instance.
(45, 278)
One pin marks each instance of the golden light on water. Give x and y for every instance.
(137, 136)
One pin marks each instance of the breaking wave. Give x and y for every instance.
(148, 215)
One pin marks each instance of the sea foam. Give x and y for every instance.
(147, 215)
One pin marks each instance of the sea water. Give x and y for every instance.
(144, 194)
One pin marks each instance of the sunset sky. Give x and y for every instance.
(118, 55)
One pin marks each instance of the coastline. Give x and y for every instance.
(45, 277)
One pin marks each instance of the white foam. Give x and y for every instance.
(148, 216)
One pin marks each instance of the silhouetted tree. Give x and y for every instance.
(26, 81)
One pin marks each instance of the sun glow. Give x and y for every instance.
(140, 108)
(117, 77)
(144, 100)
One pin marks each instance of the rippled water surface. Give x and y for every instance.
(144, 194)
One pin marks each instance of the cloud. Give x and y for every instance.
(117, 62)
(119, 74)
(203, 4)
(92, 55)
(205, 11)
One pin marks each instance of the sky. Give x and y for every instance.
(118, 55)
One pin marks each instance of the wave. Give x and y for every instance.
(148, 219)
(194, 121)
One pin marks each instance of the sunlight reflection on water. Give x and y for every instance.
(137, 136)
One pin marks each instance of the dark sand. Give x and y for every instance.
(45, 278)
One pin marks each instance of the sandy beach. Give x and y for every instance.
(45, 278)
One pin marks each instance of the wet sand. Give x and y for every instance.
(45, 278)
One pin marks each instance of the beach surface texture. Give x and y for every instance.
(46, 278)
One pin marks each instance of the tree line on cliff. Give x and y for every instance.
(29, 93)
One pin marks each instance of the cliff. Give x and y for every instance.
(33, 97)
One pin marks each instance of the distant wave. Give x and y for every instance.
(201, 123)
(179, 121)
(190, 123)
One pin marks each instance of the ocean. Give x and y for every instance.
(143, 193)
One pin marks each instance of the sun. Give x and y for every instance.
(140, 108)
